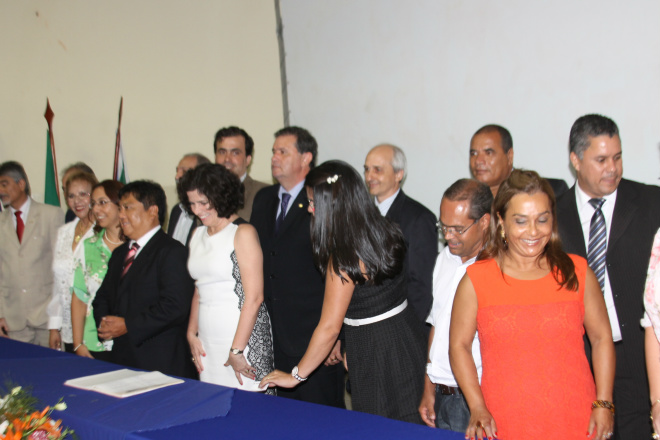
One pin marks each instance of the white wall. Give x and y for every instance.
(426, 74)
(185, 69)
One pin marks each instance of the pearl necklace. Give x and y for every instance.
(105, 236)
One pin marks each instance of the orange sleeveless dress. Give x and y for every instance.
(536, 379)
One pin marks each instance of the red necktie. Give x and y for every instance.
(130, 256)
(20, 226)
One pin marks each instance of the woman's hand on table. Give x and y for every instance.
(280, 379)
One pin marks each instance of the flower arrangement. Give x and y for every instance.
(19, 419)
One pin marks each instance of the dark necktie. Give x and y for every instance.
(130, 257)
(20, 226)
(597, 252)
(280, 218)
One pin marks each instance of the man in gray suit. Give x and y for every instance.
(233, 148)
(28, 231)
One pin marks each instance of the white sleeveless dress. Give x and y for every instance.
(213, 265)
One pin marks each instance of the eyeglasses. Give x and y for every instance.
(100, 203)
(81, 195)
(454, 230)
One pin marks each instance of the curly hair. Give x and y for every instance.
(529, 182)
(222, 187)
(347, 229)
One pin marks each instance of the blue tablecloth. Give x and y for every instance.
(189, 410)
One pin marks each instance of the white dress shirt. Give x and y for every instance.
(293, 192)
(25, 209)
(448, 272)
(386, 204)
(586, 211)
(142, 241)
(183, 225)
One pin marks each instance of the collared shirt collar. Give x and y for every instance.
(293, 192)
(582, 199)
(243, 177)
(142, 241)
(25, 209)
(386, 204)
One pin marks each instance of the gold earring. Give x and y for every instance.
(503, 235)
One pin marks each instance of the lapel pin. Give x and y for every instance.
(299, 205)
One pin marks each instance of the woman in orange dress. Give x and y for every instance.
(531, 303)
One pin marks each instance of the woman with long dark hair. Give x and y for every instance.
(361, 255)
(92, 267)
(532, 303)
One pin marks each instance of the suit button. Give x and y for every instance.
(272, 276)
(272, 253)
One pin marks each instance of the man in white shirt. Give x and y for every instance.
(384, 173)
(234, 149)
(181, 224)
(630, 212)
(464, 220)
(28, 231)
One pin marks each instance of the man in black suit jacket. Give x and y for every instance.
(491, 158)
(293, 287)
(144, 302)
(384, 172)
(181, 224)
(632, 217)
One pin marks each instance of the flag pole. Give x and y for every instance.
(49, 115)
(118, 141)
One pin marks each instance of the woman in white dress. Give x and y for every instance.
(229, 330)
(70, 236)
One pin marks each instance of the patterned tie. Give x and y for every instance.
(130, 257)
(20, 226)
(597, 252)
(280, 218)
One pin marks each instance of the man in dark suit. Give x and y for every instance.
(181, 224)
(293, 287)
(234, 149)
(384, 173)
(144, 302)
(631, 213)
(491, 158)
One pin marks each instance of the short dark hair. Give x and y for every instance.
(200, 158)
(111, 189)
(149, 193)
(347, 230)
(305, 142)
(16, 171)
(231, 132)
(505, 136)
(586, 127)
(476, 193)
(82, 166)
(222, 187)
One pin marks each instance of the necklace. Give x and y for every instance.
(78, 235)
(105, 235)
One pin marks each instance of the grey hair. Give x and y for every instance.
(16, 171)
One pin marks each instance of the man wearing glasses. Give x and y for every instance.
(464, 219)
(384, 173)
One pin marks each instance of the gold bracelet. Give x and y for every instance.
(603, 404)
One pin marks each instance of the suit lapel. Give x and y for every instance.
(298, 207)
(142, 259)
(571, 224)
(625, 208)
(394, 213)
(34, 216)
(9, 229)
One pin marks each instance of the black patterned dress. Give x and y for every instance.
(386, 359)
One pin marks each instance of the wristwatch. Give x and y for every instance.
(294, 373)
(235, 351)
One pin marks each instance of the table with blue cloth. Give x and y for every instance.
(188, 410)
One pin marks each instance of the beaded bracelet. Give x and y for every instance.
(603, 404)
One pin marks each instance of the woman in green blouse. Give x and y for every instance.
(92, 267)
